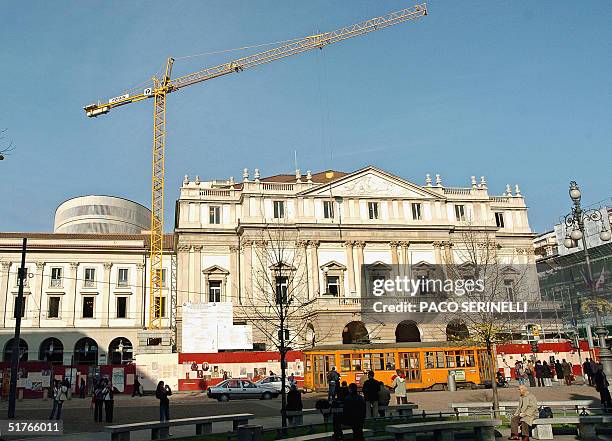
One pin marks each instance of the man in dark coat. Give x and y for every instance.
(601, 385)
(371, 388)
(539, 372)
(354, 412)
(588, 372)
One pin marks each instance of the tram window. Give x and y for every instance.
(308, 365)
(367, 362)
(470, 359)
(378, 362)
(450, 359)
(434, 360)
(390, 361)
(345, 362)
(429, 360)
(356, 363)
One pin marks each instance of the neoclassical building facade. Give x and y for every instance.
(339, 222)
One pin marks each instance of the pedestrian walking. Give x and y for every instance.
(601, 386)
(98, 401)
(529, 371)
(371, 388)
(399, 387)
(559, 371)
(82, 387)
(566, 368)
(137, 387)
(108, 397)
(539, 373)
(333, 381)
(354, 412)
(588, 372)
(384, 396)
(162, 393)
(523, 417)
(519, 372)
(60, 394)
(292, 380)
(547, 374)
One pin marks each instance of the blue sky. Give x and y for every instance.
(517, 91)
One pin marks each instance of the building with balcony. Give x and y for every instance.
(339, 223)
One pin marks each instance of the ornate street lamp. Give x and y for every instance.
(575, 221)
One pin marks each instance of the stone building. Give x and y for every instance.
(340, 222)
(85, 300)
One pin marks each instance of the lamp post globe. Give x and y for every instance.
(605, 236)
(568, 243)
(576, 235)
(574, 191)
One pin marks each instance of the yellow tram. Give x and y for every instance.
(425, 364)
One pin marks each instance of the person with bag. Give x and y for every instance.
(566, 368)
(519, 373)
(384, 397)
(60, 394)
(529, 371)
(399, 388)
(333, 381)
(108, 397)
(371, 388)
(162, 393)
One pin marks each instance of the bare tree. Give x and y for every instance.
(278, 302)
(5, 148)
(496, 277)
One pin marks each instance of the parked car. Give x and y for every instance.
(233, 389)
(275, 382)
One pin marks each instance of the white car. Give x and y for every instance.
(274, 381)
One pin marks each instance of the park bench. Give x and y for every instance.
(484, 430)
(296, 417)
(575, 406)
(346, 434)
(161, 431)
(587, 426)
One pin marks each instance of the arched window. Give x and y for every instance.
(456, 330)
(407, 331)
(23, 350)
(51, 350)
(120, 351)
(86, 352)
(355, 333)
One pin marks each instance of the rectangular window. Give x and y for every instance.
(333, 285)
(122, 276)
(279, 209)
(54, 306)
(509, 289)
(160, 307)
(163, 277)
(23, 304)
(282, 285)
(345, 362)
(88, 307)
(215, 214)
(499, 219)
(214, 291)
(121, 307)
(328, 209)
(460, 213)
(90, 278)
(390, 361)
(373, 210)
(56, 277)
(416, 211)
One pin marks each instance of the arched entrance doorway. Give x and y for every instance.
(355, 332)
(52, 350)
(407, 331)
(456, 330)
(23, 350)
(86, 352)
(120, 351)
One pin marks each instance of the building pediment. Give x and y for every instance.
(215, 269)
(372, 182)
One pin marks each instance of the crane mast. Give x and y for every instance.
(162, 87)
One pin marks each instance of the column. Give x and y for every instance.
(248, 270)
(395, 268)
(301, 280)
(233, 291)
(182, 278)
(37, 291)
(314, 256)
(191, 287)
(438, 253)
(197, 269)
(5, 267)
(73, 276)
(406, 258)
(105, 306)
(351, 266)
(141, 292)
(263, 282)
(361, 270)
(448, 253)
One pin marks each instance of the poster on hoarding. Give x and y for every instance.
(208, 327)
(118, 379)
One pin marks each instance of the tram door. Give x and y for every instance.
(322, 365)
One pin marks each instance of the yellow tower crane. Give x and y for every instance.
(165, 85)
